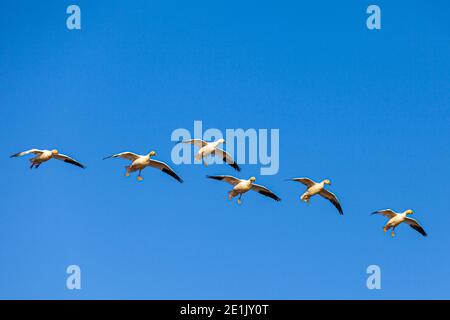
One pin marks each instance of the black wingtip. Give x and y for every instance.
(277, 199)
(235, 166)
(172, 174)
(270, 195)
(75, 163)
(419, 229)
(337, 205)
(423, 233)
(82, 166)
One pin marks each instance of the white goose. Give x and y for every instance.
(45, 155)
(241, 186)
(212, 148)
(140, 162)
(314, 188)
(397, 218)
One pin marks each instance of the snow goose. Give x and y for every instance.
(241, 186)
(45, 155)
(212, 148)
(314, 188)
(397, 218)
(140, 162)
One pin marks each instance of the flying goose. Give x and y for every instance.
(139, 163)
(314, 188)
(45, 155)
(212, 148)
(241, 186)
(397, 218)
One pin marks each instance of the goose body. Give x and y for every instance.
(140, 162)
(212, 148)
(42, 156)
(395, 219)
(241, 186)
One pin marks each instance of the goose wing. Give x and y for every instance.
(389, 213)
(164, 167)
(125, 155)
(306, 181)
(264, 191)
(227, 158)
(333, 199)
(23, 153)
(196, 142)
(416, 226)
(68, 159)
(230, 179)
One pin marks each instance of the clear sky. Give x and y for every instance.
(369, 110)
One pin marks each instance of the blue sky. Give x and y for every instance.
(367, 109)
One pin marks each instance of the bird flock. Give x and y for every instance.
(240, 186)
